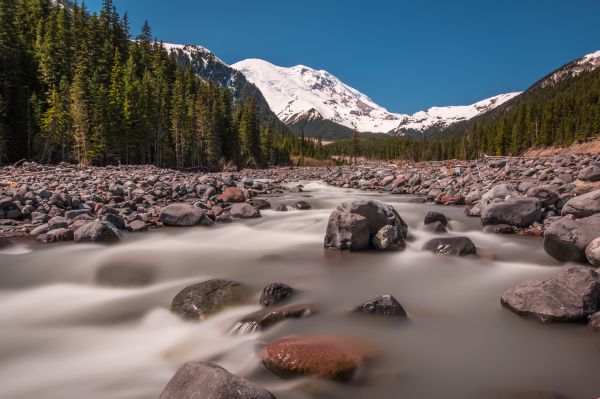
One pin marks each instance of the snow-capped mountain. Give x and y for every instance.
(302, 94)
(586, 63)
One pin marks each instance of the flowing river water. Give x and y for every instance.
(70, 329)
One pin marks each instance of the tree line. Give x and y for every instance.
(76, 88)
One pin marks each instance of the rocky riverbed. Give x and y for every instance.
(335, 330)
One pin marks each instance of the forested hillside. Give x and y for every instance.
(75, 87)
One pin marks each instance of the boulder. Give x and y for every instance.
(244, 211)
(592, 252)
(199, 380)
(347, 231)
(70, 215)
(232, 194)
(433, 217)
(137, 226)
(591, 173)
(571, 295)
(41, 229)
(583, 205)
(451, 246)
(203, 299)
(302, 205)
(385, 305)
(498, 192)
(184, 215)
(547, 194)
(519, 212)
(57, 222)
(268, 317)
(275, 293)
(327, 357)
(567, 238)
(436, 227)
(260, 203)
(97, 232)
(388, 239)
(377, 213)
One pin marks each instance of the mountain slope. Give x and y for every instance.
(323, 105)
(209, 67)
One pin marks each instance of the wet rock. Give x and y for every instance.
(436, 227)
(327, 357)
(200, 300)
(591, 173)
(592, 252)
(583, 205)
(199, 380)
(244, 211)
(224, 217)
(594, 322)
(567, 238)
(275, 293)
(268, 317)
(347, 231)
(377, 213)
(233, 194)
(115, 220)
(433, 217)
(56, 235)
(302, 205)
(70, 215)
(451, 246)
(282, 208)
(388, 239)
(385, 305)
(184, 215)
(57, 222)
(571, 295)
(260, 203)
(97, 232)
(519, 212)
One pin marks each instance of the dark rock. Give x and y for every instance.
(591, 173)
(268, 317)
(200, 300)
(571, 295)
(205, 190)
(282, 208)
(199, 380)
(97, 232)
(519, 212)
(377, 213)
(115, 220)
(436, 227)
(385, 305)
(302, 205)
(433, 217)
(347, 231)
(318, 356)
(260, 203)
(583, 205)
(244, 211)
(451, 246)
(275, 293)
(184, 215)
(567, 238)
(547, 194)
(5, 242)
(388, 239)
(70, 215)
(57, 222)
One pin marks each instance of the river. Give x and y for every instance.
(70, 329)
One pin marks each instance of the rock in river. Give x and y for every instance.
(433, 217)
(385, 305)
(200, 300)
(97, 232)
(233, 194)
(270, 316)
(571, 295)
(327, 357)
(451, 246)
(199, 380)
(388, 239)
(347, 231)
(520, 212)
(377, 213)
(275, 293)
(567, 238)
(244, 211)
(184, 215)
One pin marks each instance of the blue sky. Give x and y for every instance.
(405, 55)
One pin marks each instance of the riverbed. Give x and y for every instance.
(93, 321)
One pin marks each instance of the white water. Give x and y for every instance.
(66, 333)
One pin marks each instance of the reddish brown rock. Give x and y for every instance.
(328, 357)
(232, 194)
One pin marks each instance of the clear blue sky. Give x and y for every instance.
(405, 55)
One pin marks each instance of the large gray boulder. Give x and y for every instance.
(498, 192)
(97, 232)
(377, 213)
(347, 231)
(199, 380)
(583, 205)
(567, 238)
(184, 215)
(203, 299)
(572, 295)
(547, 194)
(385, 305)
(591, 173)
(520, 212)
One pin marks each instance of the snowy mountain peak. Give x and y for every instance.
(586, 63)
(301, 92)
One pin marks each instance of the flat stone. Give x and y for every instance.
(451, 246)
(203, 299)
